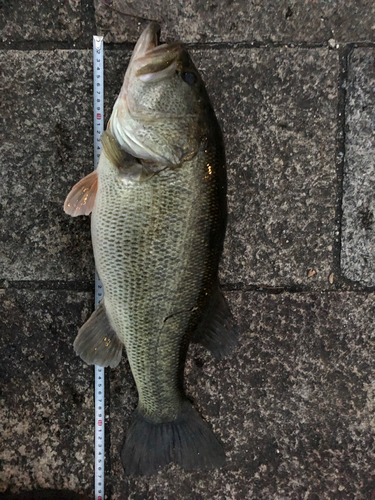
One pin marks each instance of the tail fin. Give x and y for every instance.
(187, 441)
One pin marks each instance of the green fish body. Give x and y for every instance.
(158, 226)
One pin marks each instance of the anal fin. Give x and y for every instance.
(97, 343)
(217, 331)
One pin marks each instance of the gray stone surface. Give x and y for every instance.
(278, 113)
(239, 20)
(358, 224)
(46, 113)
(277, 109)
(293, 405)
(46, 409)
(33, 20)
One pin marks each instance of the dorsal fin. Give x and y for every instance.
(81, 199)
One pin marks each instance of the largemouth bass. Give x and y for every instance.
(158, 205)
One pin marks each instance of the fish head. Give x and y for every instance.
(159, 114)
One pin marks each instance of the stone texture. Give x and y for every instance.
(293, 405)
(45, 494)
(46, 409)
(46, 114)
(35, 20)
(358, 224)
(278, 113)
(239, 20)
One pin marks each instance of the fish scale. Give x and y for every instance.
(151, 245)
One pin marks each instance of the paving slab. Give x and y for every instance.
(47, 406)
(358, 223)
(46, 113)
(278, 112)
(35, 20)
(293, 405)
(277, 108)
(239, 20)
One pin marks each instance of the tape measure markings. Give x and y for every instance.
(98, 92)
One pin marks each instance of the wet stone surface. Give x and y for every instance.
(47, 115)
(278, 111)
(46, 409)
(35, 20)
(358, 229)
(238, 20)
(293, 404)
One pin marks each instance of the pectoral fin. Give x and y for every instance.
(81, 199)
(97, 343)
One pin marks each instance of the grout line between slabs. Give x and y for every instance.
(88, 287)
(48, 285)
(85, 45)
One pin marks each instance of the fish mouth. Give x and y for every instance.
(151, 61)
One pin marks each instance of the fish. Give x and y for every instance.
(158, 219)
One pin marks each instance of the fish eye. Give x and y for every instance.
(189, 78)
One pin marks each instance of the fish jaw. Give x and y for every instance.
(151, 61)
(146, 42)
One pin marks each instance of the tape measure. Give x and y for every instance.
(98, 92)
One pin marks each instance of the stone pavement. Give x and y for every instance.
(293, 86)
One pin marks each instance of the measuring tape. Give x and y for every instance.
(99, 291)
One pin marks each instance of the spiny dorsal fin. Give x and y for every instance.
(97, 343)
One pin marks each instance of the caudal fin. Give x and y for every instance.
(187, 441)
